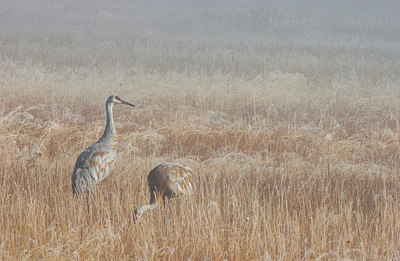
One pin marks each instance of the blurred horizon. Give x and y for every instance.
(323, 40)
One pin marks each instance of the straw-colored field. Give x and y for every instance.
(289, 116)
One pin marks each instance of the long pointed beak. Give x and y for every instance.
(127, 103)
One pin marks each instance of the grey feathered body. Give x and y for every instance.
(93, 165)
(96, 162)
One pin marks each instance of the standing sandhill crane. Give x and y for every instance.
(96, 162)
(166, 181)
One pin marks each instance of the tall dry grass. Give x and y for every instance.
(290, 122)
(284, 174)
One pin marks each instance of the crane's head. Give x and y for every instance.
(117, 100)
(136, 215)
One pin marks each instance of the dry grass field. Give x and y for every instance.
(287, 112)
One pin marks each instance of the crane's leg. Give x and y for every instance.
(89, 192)
(166, 207)
(87, 201)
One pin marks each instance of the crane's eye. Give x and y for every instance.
(117, 98)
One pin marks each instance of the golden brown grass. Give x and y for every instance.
(291, 173)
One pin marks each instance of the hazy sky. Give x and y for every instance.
(311, 37)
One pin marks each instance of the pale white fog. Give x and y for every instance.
(320, 39)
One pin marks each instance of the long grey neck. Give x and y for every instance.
(110, 131)
(145, 208)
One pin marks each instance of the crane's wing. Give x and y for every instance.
(85, 158)
(179, 179)
(96, 163)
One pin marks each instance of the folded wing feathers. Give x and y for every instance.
(92, 167)
(179, 178)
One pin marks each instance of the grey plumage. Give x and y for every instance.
(96, 162)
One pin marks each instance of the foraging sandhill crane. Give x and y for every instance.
(96, 162)
(166, 181)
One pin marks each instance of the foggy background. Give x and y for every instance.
(323, 40)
